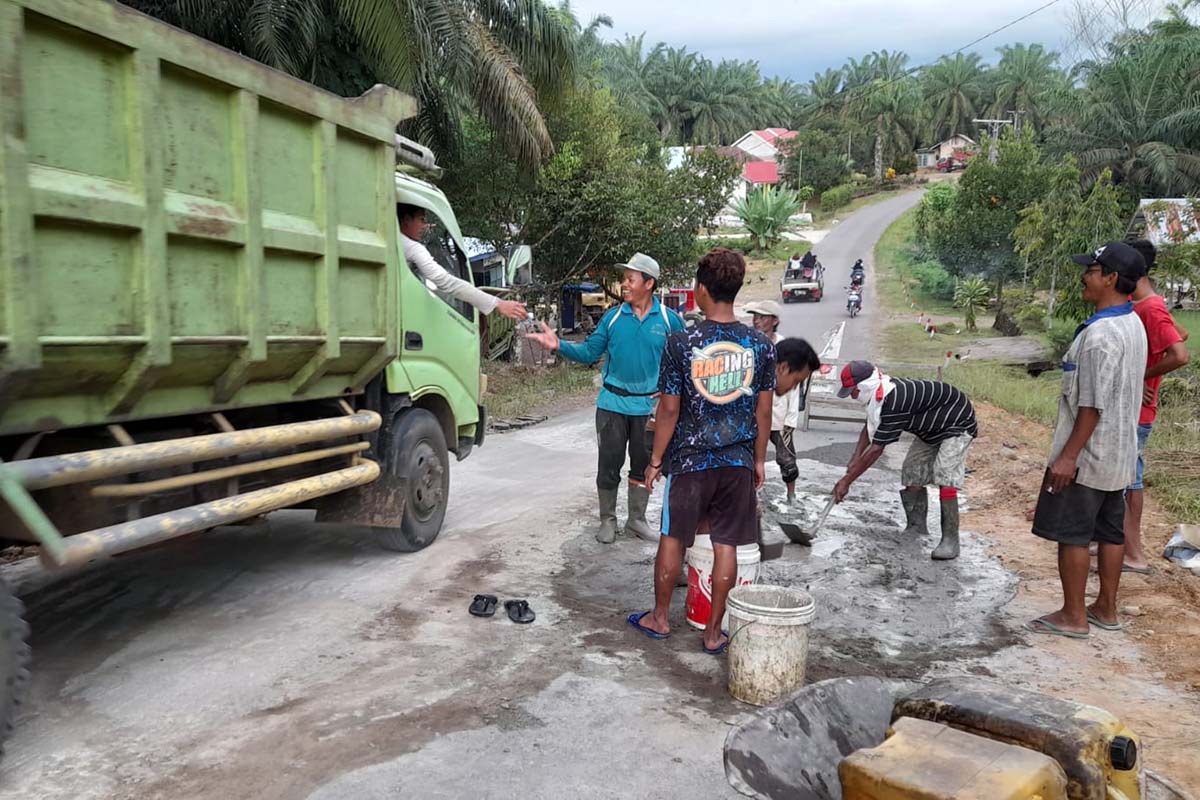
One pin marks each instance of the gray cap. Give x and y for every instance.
(643, 263)
(853, 374)
(764, 308)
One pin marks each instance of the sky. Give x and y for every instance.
(797, 38)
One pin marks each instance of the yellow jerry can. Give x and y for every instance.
(923, 760)
(1094, 748)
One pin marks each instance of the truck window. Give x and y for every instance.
(445, 252)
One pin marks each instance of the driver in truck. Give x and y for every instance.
(412, 231)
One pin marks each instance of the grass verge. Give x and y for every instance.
(515, 390)
(1191, 321)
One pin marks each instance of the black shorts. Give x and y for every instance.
(724, 496)
(1080, 515)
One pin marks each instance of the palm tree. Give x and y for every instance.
(673, 82)
(891, 108)
(631, 72)
(721, 101)
(1139, 116)
(825, 94)
(779, 102)
(1024, 80)
(952, 88)
(497, 58)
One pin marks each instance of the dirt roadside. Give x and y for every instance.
(1149, 674)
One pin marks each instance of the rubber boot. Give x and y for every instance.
(608, 516)
(636, 525)
(916, 510)
(948, 547)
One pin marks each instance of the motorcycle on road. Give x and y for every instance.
(854, 300)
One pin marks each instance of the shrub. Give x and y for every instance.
(837, 197)
(767, 212)
(905, 164)
(972, 297)
(1031, 317)
(1061, 336)
(934, 280)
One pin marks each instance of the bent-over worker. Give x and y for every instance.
(943, 421)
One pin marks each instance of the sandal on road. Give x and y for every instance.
(1136, 570)
(519, 611)
(635, 619)
(484, 605)
(1099, 623)
(721, 648)
(1042, 625)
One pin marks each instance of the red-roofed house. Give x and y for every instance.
(764, 145)
(757, 173)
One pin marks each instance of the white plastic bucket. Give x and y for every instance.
(700, 567)
(768, 641)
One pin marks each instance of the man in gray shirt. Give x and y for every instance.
(1094, 454)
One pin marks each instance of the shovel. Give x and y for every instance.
(802, 537)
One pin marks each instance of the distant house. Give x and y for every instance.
(754, 175)
(764, 145)
(1166, 221)
(957, 145)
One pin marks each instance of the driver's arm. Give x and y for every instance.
(418, 256)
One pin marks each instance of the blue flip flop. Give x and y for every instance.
(635, 619)
(716, 651)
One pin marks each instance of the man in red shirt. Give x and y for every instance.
(1165, 353)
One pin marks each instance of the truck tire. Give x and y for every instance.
(419, 455)
(14, 659)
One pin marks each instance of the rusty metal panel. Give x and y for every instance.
(182, 229)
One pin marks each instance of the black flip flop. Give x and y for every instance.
(484, 605)
(519, 611)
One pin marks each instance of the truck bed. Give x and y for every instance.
(182, 229)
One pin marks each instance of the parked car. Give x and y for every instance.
(950, 164)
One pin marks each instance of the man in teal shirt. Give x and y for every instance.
(631, 338)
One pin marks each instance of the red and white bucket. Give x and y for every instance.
(700, 566)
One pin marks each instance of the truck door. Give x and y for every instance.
(440, 336)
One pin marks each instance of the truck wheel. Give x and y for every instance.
(14, 658)
(419, 456)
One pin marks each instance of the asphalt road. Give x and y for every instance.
(851, 239)
(291, 660)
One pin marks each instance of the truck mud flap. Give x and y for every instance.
(379, 504)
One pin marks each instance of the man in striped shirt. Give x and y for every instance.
(943, 421)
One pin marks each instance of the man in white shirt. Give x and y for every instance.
(412, 231)
(785, 411)
(1094, 453)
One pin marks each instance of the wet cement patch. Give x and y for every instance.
(884, 607)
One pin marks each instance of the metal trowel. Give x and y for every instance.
(804, 537)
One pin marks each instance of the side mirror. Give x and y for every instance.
(520, 266)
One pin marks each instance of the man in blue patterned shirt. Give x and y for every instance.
(717, 384)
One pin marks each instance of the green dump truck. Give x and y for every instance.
(205, 314)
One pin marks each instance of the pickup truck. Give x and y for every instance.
(205, 313)
(803, 283)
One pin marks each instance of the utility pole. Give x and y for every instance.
(994, 126)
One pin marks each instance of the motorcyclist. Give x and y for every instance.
(854, 297)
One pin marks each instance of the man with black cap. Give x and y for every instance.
(1094, 453)
(943, 421)
(1166, 353)
(630, 337)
